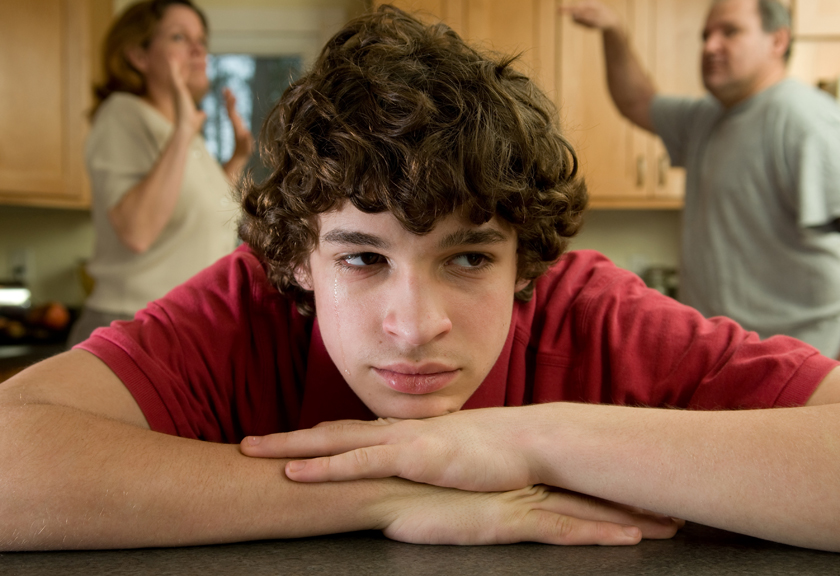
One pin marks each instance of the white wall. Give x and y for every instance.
(633, 239)
(54, 241)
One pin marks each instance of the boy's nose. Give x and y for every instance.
(416, 313)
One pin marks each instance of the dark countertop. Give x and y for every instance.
(12, 355)
(695, 550)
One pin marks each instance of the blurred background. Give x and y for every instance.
(49, 58)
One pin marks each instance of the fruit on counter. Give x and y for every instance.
(12, 329)
(52, 315)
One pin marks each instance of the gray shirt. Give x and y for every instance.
(762, 187)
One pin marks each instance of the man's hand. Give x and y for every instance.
(592, 14)
(486, 450)
(532, 514)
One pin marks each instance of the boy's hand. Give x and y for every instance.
(533, 514)
(484, 450)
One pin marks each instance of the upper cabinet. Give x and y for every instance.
(816, 17)
(46, 59)
(624, 166)
(816, 47)
(523, 28)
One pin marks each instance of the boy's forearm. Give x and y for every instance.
(89, 482)
(774, 474)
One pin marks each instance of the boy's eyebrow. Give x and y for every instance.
(465, 237)
(341, 236)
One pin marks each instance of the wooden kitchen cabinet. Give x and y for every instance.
(526, 28)
(624, 166)
(816, 17)
(47, 54)
(816, 46)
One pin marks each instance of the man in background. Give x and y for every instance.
(762, 197)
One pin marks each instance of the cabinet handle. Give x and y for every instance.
(641, 168)
(664, 166)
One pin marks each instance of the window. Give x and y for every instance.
(257, 82)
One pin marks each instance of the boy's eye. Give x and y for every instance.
(363, 259)
(470, 260)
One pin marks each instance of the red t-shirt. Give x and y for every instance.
(225, 355)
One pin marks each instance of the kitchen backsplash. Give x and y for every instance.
(51, 243)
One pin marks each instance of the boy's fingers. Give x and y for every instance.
(550, 528)
(373, 462)
(319, 441)
(592, 509)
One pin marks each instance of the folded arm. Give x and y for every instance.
(82, 470)
(774, 473)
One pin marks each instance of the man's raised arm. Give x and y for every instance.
(82, 470)
(630, 87)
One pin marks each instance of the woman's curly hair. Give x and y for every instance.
(407, 118)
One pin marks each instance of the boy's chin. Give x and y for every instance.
(408, 407)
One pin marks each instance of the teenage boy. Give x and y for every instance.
(420, 202)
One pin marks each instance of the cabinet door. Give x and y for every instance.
(624, 165)
(44, 87)
(675, 64)
(816, 17)
(816, 61)
(611, 153)
(452, 12)
(524, 28)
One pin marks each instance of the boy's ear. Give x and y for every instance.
(303, 278)
(521, 285)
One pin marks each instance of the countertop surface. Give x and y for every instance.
(27, 353)
(695, 550)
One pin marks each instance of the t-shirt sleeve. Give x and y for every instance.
(218, 358)
(810, 142)
(120, 150)
(672, 118)
(635, 346)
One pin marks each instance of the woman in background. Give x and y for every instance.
(162, 206)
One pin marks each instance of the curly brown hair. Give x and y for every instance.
(403, 117)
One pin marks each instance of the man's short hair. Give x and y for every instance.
(775, 16)
(403, 117)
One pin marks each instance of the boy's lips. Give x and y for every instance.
(420, 379)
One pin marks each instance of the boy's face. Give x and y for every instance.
(414, 323)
